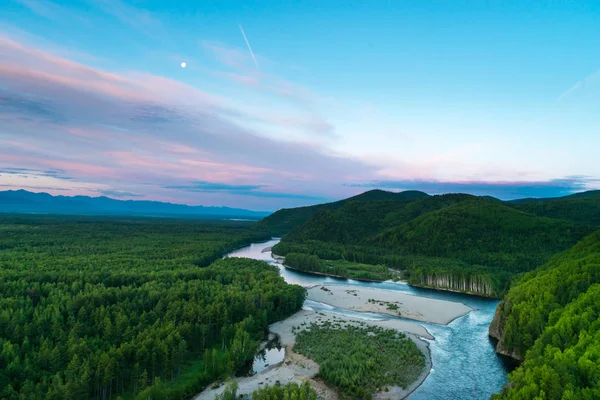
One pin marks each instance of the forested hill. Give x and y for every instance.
(454, 241)
(552, 317)
(580, 208)
(284, 220)
(580, 195)
(483, 232)
(584, 210)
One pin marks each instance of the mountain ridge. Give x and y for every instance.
(23, 201)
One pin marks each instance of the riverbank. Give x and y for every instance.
(297, 368)
(445, 289)
(317, 273)
(388, 302)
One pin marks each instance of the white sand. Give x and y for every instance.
(297, 368)
(409, 306)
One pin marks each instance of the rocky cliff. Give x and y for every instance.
(496, 331)
(478, 285)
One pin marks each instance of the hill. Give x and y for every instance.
(483, 232)
(550, 319)
(579, 195)
(582, 208)
(454, 241)
(356, 221)
(284, 220)
(22, 201)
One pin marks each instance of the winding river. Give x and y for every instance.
(465, 365)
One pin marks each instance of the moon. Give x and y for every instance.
(183, 64)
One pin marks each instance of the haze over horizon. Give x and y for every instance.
(298, 102)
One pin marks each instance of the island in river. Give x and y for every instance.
(363, 302)
(388, 302)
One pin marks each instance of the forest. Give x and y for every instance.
(346, 269)
(102, 308)
(284, 220)
(358, 360)
(459, 242)
(291, 391)
(551, 320)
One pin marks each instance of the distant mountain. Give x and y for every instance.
(285, 219)
(22, 201)
(580, 195)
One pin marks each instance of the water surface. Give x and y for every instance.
(465, 365)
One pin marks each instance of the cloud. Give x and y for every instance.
(155, 114)
(118, 193)
(15, 104)
(30, 172)
(243, 189)
(50, 10)
(238, 60)
(502, 190)
(215, 186)
(139, 19)
(122, 130)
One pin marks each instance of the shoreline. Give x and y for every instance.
(281, 259)
(403, 305)
(454, 291)
(297, 368)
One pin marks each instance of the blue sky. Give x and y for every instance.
(470, 96)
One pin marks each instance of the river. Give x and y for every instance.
(465, 365)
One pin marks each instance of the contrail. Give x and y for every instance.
(248, 44)
(579, 85)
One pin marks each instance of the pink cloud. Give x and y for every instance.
(140, 132)
(45, 67)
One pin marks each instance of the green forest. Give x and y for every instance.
(341, 268)
(291, 391)
(551, 319)
(459, 242)
(361, 361)
(94, 307)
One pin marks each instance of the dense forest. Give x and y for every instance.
(291, 391)
(579, 210)
(361, 361)
(551, 319)
(284, 220)
(145, 308)
(455, 241)
(312, 263)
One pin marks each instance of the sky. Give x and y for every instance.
(288, 103)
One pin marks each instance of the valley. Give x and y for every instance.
(464, 296)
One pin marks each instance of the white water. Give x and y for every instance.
(465, 365)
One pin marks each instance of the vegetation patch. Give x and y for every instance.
(389, 305)
(342, 268)
(291, 391)
(360, 360)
